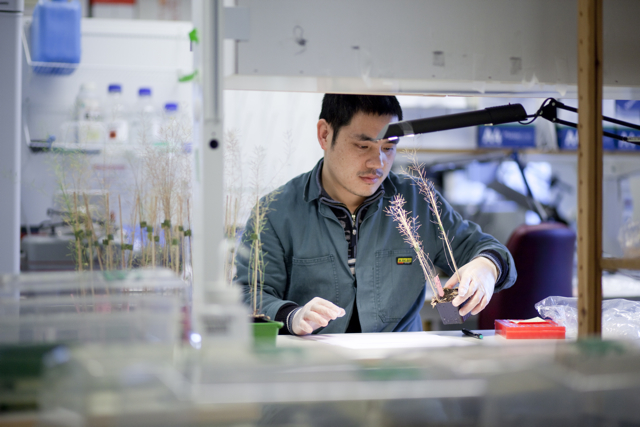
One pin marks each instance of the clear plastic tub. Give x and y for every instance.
(115, 306)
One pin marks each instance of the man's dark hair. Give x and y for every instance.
(338, 110)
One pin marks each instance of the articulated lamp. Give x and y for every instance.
(493, 116)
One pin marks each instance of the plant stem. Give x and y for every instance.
(76, 229)
(444, 234)
(133, 235)
(256, 252)
(428, 191)
(189, 221)
(121, 235)
(93, 234)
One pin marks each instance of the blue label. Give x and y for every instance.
(568, 139)
(506, 136)
(627, 146)
(627, 106)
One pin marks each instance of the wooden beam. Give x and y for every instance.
(589, 168)
(618, 263)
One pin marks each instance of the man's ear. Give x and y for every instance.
(325, 134)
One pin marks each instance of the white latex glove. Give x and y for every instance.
(477, 282)
(315, 314)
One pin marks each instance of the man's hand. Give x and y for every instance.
(315, 314)
(477, 282)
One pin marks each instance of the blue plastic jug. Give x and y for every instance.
(55, 35)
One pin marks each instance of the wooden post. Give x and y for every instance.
(589, 168)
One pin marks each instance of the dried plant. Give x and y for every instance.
(258, 221)
(156, 191)
(162, 183)
(71, 172)
(234, 200)
(246, 183)
(251, 180)
(417, 175)
(408, 227)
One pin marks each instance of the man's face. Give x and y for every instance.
(355, 164)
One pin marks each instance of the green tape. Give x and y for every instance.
(187, 233)
(143, 224)
(156, 238)
(110, 237)
(105, 242)
(174, 242)
(180, 228)
(188, 77)
(149, 229)
(193, 36)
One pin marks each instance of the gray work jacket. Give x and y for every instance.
(305, 254)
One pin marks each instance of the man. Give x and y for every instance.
(333, 257)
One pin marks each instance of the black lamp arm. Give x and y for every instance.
(549, 108)
(493, 116)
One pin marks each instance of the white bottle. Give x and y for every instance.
(87, 107)
(170, 127)
(145, 121)
(86, 127)
(171, 111)
(115, 115)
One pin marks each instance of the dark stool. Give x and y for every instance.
(543, 255)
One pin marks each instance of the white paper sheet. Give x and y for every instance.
(390, 340)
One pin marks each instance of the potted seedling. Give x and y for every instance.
(247, 180)
(265, 330)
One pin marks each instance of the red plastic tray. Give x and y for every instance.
(529, 330)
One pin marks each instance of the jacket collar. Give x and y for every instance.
(313, 189)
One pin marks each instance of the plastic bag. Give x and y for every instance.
(620, 317)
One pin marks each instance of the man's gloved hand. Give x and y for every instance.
(315, 314)
(477, 282)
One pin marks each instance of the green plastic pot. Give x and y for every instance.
(265, 332)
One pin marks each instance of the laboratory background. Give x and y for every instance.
(139, 136)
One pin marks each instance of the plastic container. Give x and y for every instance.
(449, 314)
(115, 115)
(106, 307)
(265, 333)
(170, 132)
(515, 329)
(100, 318)
(145, 121)
(170, 110)
(87, 106)
(55, 36)
(86, 128)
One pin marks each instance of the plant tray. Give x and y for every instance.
(515, 329)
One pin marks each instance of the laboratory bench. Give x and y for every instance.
(383, 379)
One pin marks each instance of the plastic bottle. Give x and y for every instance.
(170, 125)
(145, 121)
(115, 115)
(55, 35)
(87, 127)
(170, 110)
(87, 107)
